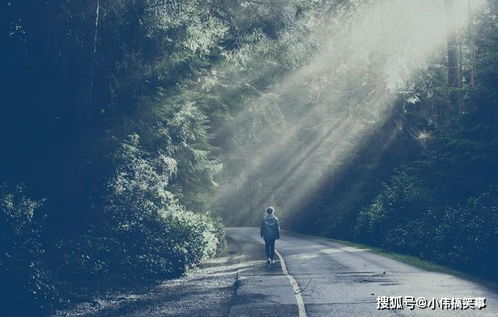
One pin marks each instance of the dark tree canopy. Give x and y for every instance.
(131, 130)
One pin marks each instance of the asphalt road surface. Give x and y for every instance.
(312, 277)
(337, 280)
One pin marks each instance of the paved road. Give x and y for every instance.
(336, 280)
(317, 277)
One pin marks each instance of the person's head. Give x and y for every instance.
(269, 210)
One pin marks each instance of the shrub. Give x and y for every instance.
(466, 237)
(462, 236)
(143, 232)
(401, 201)
(26, 287)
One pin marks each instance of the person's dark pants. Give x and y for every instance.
(270, 248)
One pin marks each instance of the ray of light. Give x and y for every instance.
(344, 94)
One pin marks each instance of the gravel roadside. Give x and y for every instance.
(206, 291)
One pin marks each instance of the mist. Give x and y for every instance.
(304, 127)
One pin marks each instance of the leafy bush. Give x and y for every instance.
(135, 224)
(400, 201)
(26, 286)
(143, 233)
(467, 234)
(463, 236)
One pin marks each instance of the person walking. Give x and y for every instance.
(270, 231)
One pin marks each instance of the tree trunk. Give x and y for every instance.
(454, 79)
(76, 183)
(471, 46)
(94, 53)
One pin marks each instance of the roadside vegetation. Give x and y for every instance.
(432, 192)
(116, 123)
(132, 129)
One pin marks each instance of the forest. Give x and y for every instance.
(132, 132)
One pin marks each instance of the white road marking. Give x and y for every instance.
(297, 291)
(295, 287)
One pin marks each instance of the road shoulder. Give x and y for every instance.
(205, 291)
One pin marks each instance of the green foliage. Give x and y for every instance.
(122, 120)
(190, 147)
(145, 248)
(462, 236)
(111, 135)
(26, 283)
(441, 204)
(143, 232)
(432, 192)
(465, 236)
(399, 202)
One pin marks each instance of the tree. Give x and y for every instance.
(454, 76)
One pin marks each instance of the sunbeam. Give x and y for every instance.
(348, 89)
